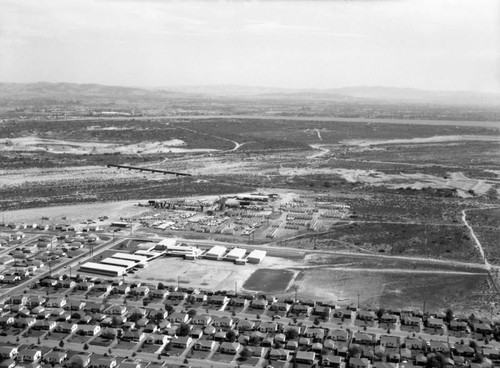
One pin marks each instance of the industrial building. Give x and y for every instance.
(130, 257)
(102, 269)
(183, 250)
(235, 253)
(118, 262)
(165, 243)
(256, 256)
(216, 252)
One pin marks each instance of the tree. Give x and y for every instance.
(355, 350)
(291, 334)
(380, 313)
(231, 336)
(191, 313)
(85, 346)
(169, 308)
(161, 286)
(245, 353)
(254, 340)
(183, 329)
(449, 315)
(61, 343)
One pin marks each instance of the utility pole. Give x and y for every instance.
(358, 301)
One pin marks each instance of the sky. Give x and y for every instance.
(426, 44)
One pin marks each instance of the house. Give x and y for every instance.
(36, 301)
(333, 361)
(181, 342)
(238, 302)
(303, 309)
(458, 325)
(140, 291)
(44, 325)
(305, 342)
(74, 305)
(86, 286)
(415, 344)
(230, 347)
(178, 317)
(66, 327)
(260, 304)
(89, 330)
(8, 363)
(135, 312)
(134, 336)
(222, 322)
(435, 323)
(24, 322)
(122, 289)
(156, 339)
(218, 300)
(177, 295)
(278, 354)
(314, 333)
(80, 359)
(203, 320)
(359, 363)
(292, 345)
(245, 325)
(364, 338)
(205, 345)
(116, 310)
(256, 351)
(388, 318)
(322, 311)
(19, 299)
(482, 328)
(338, 335)
(94, 307)
(390, 341)
(30, 355)
(8, 352)
(268, 327)
(55, 357)
(367, 316)
(102, 362)
(412, 321)
(439, 347)
(6, 320)
(56, 303)
(68, 284)
(158, 294)
(342, 313)
(464, 350)
(305, 357)
(103, 287)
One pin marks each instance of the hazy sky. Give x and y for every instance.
(430, 44)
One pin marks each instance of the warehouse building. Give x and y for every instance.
(183, 250)
(217, 252)
(118, 262)
(130, 257)
(102, 269)
(235, 253)
(256, 256)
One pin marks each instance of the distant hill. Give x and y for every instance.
(65, 91)
(362, 93)
(68, 91)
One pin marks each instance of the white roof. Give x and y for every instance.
(130, 257)
(217, 250)
(168, 242)
(257, 254)
(102, 267)
(118, 262)
(236, 253)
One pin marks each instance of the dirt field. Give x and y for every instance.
(206, 274)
